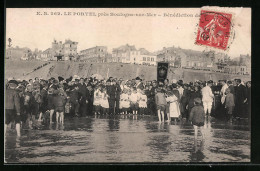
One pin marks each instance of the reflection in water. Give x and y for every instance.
(159, 144)
(128, 138)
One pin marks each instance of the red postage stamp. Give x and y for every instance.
(214, 29)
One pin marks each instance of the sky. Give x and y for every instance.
(27, 29)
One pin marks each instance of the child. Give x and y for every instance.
(59, 104)
(171, 99)
(160, 101)
(229, 104)
(142, 102)
(134, 99)
(97, 98)
(197, 117)
(104, 101)
(124, 102)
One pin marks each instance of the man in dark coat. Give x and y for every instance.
(12, 106)
(118, 93)
(74, 97)
(184, 101)
(82, 89)
(241, 99)
(111, 92)
(248, 90)
(44, 94)
(90, 98)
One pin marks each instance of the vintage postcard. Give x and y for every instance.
(112, 85)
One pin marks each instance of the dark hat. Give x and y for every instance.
(197, 100)
(13, 82)
(60, 79)
(174, 85)
(108, 81)
(210, 82)
(138, 78)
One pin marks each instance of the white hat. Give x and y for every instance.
(174, 81)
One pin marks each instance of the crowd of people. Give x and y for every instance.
(38, 99)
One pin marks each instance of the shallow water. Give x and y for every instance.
(128, 139)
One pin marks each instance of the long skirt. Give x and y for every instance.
(174, 110)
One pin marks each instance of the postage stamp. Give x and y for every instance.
(214, 29)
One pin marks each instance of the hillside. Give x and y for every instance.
(19, 69)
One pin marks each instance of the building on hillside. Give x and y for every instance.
(18, 53)
(240, 65)
(129, 54)
(97, 54)
(48, 54)
(186, 58)
(199, 62)
(61, 51)
(122, 53)
(70, 50)
(174, 56)
(144, 57)
(240, 70)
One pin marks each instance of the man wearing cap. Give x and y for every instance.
(207, 97)
(12, 107)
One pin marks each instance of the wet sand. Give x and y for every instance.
(128, 139)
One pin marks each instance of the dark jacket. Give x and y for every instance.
(44, 95)
(12, 100)
(118, 91)
(197, 115)
(111, 91)
(82, 90)
(229, 102)
(59, 102)
(50, 99)
(240, 94)
(74, 96)
(193, 95)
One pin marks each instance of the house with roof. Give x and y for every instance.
(17, 53)
(122, 53)
(95, 54)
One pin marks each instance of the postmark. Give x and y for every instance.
(214, 29)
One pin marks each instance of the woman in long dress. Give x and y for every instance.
(173, 99)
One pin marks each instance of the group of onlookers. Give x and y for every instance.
(38, 99)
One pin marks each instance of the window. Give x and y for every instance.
(152, 59)
(144, 58)
(148, 58)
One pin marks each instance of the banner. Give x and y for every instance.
(162, 71)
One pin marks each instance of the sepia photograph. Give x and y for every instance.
(127, 85)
